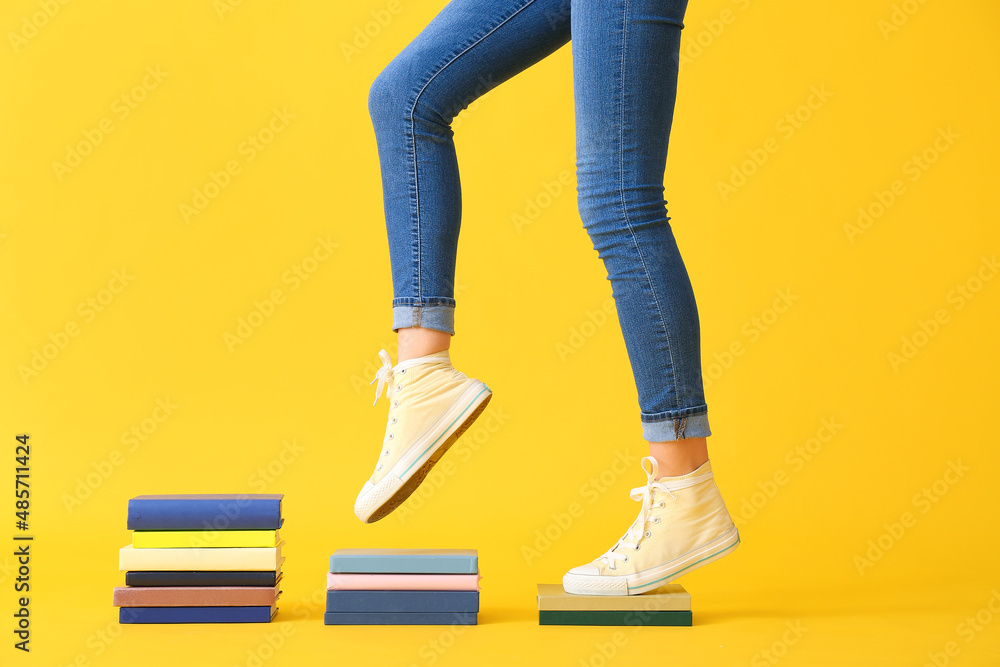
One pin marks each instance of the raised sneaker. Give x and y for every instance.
(431, 405)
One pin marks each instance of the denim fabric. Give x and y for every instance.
(625, 63)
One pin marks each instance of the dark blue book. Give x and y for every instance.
(202, 578)
(196, 614)
(212, 511)
(402, 601)
(398, 618)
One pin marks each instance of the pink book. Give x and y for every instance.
(402, 582)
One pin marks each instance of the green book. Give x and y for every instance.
(200, 539)
(624, 618)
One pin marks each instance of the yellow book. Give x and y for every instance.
(211, 558)
(194, 539)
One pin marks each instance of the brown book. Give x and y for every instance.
(195, 596)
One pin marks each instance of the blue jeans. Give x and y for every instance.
(625, 63)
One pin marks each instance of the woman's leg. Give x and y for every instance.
(470, 47)
(625, 64)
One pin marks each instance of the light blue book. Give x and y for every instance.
(411, 561)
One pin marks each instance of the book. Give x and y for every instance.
(212, 511)
(261, 614)
(222, 558)
(195, 596)
(636, 617)
(402, 582)
(402, 601)
(396, 618)
(419, 561)
(174, 539)
(203, 578)
(670, 597)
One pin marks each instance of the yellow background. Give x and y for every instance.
(558, 420)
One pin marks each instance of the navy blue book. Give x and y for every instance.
(196, 614)
(402, 601)
(398, 618)
(201, 578)
(210, 511)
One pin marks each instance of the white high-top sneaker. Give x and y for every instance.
(682, 524)
(431, 405)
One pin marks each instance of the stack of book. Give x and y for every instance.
(213, 558)
(403, 587)
(668, 605)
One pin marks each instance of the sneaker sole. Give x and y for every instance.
(653, 578)
(418, 470)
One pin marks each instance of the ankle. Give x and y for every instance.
(679, 457)
(679, 471)
(418, 342)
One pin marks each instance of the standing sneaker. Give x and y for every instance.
(682, 525)
(431, 405)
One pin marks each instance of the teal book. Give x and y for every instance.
(398, 561)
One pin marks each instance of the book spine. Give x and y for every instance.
(195, 596)
(201, 578)
(195, 614)
(204, 514)
(172, 539)
(393, 618)
(403, 564)
(224, 558)
(402, 601)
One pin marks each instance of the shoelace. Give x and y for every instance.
(385, 374)
(644, 494)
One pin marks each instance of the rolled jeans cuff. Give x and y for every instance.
(657, 428)
(439, 317)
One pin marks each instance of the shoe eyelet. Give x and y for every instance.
(385, 453)
(626, 559)
(638, 546)
(662, 504)
(378, 467)
(393, 421)
(398, 387)
(647, 534)
(395, 404)
(656, 519)
(402, 371)
(390, 437)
